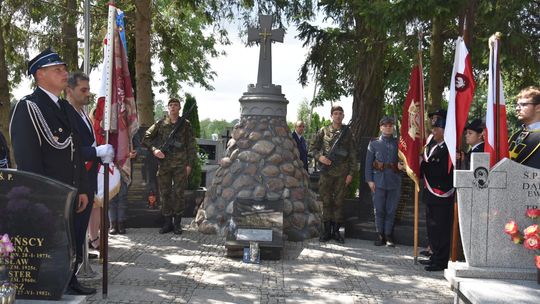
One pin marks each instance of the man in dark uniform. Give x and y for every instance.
(525, 144)
(340, 164)
(4, 152)
(301, 142)
(45, 136)
(474, 138)
(174, 165)
(438, 197)
(382, 172)
(77, 94)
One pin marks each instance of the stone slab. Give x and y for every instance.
(463, 270)
(224, 297)
(497, 291)
(233, 279)
(320, 299)
(135, 294)
(66, 299)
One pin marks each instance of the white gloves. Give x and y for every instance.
(106, 153)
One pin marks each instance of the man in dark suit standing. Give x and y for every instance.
(300, 141)
(45, 137)
(77, 94)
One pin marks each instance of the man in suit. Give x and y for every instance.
(438, 196)
(45, 136)
(382, 171)
(299, 128)
(77, 94)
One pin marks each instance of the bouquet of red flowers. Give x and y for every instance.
(531, 235)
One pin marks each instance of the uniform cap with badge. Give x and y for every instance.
(44, 59)
(476, 125)
(386, 120)
(439, 112)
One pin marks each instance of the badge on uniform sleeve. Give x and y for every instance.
(60, 130)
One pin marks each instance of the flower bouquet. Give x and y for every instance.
(7, 290)
(530, 237)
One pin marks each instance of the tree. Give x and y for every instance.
(195, 178)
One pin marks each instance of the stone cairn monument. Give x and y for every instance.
(262, 162)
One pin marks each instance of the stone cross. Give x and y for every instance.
(265, 35)
(474, 185)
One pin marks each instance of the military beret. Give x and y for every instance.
(386, 120)
(439, 112)
(476, 125)
(44, 59)
(440, 122)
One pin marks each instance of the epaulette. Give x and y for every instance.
(28, 97)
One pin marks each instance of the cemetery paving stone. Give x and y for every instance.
(146, 267)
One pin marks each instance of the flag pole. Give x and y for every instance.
(104, 231)
(417, 188)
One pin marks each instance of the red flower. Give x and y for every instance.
(533, 213)
(511, 228)
(533, 242)
(530, 231)
(537, 260)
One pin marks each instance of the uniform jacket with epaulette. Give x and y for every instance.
(183, 150)
(434, 167)
(524, 147)
(324, 140)
(384, 149)
(32, 149)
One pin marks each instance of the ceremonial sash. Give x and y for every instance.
(523, 144)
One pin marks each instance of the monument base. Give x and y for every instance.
(269, 250)
(458, 270)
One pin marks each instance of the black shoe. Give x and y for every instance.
(167, 226)
(426, 253)
(434, 268)
(78, 289)
(381, 241)
(326, 234)
(92, 256)
(425, 262)
(337, 234)
(177, 224)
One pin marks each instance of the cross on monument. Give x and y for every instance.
(265, 35)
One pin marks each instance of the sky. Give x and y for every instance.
(235, 71)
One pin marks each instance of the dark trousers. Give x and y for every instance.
(80, 224)
(439, 216)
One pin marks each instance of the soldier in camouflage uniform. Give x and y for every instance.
(336, 173)
(174, 165)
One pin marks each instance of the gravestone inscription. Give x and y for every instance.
(36, 213)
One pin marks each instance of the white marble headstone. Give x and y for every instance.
(487, 200)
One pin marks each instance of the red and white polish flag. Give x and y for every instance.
(461, 96)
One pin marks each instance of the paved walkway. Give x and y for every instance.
(146, 267)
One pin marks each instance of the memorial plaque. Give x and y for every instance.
(36, 212)
(487, 200)
(256, 221)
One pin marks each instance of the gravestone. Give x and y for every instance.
(256, 221)
(487, 200)
(36, 212)
(214, 150)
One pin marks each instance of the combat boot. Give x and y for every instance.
(177, 224)
(167, 226)
(121, 228)
(326, 233)
(381, 240)
(337, 234)
(114, 228)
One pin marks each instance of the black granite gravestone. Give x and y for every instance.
(256, 221)
(36, 212)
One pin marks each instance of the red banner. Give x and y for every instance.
(411, 138)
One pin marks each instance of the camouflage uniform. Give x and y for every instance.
(171, 175)
(332, 182)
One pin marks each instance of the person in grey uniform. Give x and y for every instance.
(382, 170)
